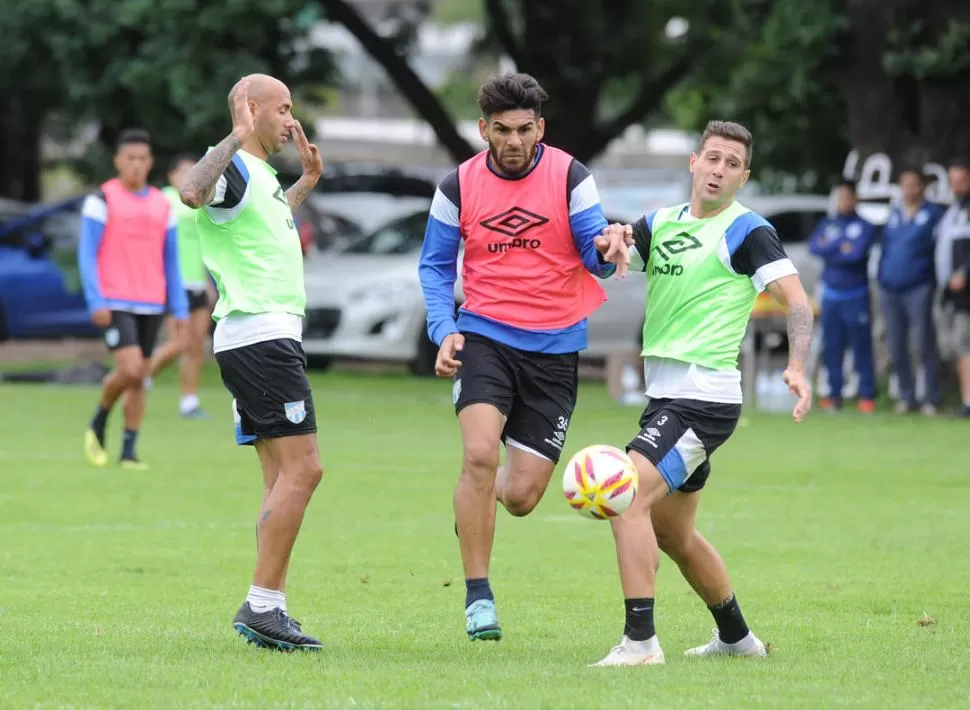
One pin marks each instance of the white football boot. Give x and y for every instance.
(750, 646)
(633, 653)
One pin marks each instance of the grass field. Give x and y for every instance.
(847, 537)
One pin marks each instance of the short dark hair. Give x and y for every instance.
(509, 92)
(848, 183)
(182, 158)
(729, 131)
(961, 162)
(133, 136)
(914, 170)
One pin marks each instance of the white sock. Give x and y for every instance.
(266, 599)
(188, 403)
(148, 383)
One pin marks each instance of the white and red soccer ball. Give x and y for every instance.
(600, 482)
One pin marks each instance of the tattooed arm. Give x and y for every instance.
(200, 181)
(790, 293)
(299, 190)
(310, 161)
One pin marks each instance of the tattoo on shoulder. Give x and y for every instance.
(202, 177)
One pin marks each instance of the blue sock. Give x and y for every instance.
(98, 423)
(128, 446)
(476, 589)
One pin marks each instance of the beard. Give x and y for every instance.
(494, 157)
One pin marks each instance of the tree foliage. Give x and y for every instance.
(166, 67)
(605, 66)
(826, 77)
(774, 82)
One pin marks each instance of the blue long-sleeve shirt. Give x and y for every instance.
(908, 244)
(843, 243)
(94, 217)
(438, 268)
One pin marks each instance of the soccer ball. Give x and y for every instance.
(600, 482)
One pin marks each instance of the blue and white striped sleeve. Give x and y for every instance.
(94, 216)
(586, 218)
(438, 267)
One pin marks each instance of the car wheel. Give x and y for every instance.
(423, 364)
(319, 363)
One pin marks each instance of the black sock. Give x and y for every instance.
(476, 589)
(128, 447)
(639, 619)
(99, 422)
(731, 626)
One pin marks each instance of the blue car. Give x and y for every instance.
(40, 287)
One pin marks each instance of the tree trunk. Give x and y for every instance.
(913, 120)
(19, 129)
(424, 102)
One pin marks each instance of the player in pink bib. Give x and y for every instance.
(128, 259)
(530, 219)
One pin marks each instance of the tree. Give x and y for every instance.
(778, 84)
(824, 78)
(32, 87)
(605, 66)
(166, 67)
(905, 79)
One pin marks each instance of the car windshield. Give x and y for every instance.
(401, 236)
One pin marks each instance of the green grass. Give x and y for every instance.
(117, 588)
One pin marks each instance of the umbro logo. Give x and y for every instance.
(514, 222)
(280, 195)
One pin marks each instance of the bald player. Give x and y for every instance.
(251, 247)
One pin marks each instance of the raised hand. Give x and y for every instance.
(310, 157)
(243, 124)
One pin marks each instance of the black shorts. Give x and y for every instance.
(129, 329)
(197, 299)
(678, 436)
(536, 392)
(270, 390)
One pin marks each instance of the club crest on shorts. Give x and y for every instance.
(112, 337)
(295, 411)
(456, 391)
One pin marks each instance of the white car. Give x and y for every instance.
(364, 302)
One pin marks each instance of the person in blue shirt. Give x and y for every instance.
(906, 288)
(843, 242)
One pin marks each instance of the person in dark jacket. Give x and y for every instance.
(843, 242)
(906, 284)
(953, 277)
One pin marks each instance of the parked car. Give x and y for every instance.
(40, 287)
(350, 201)
(365, 301)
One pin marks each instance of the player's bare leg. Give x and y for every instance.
(190, 366)
(271, 471)
(674, 525)
(291, 472)
(481, 428)
(637, 556)
(299, 473)
(135, 397)
(129, 368)
(522, 481)
(174, 345)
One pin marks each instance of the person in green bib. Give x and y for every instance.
(705, 263)
(251, 247)
(189, 343)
